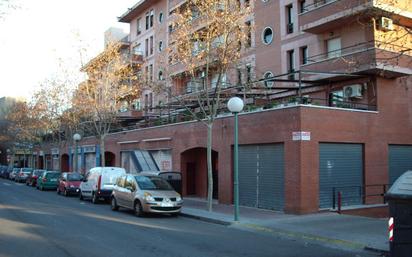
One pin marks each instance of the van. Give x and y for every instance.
(98, 183)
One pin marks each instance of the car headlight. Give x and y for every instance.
(71, 186)
(178, 198)
(148, 197)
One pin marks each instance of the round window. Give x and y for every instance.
(268, 75)
(160, 46)
(160, 75)
(267, 35)
(160, 17)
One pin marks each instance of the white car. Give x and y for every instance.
(98, 183)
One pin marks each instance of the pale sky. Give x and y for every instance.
(34, 37)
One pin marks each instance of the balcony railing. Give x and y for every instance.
(317, 4)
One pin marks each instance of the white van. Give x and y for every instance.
(98, 183)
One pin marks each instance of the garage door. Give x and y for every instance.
(261, 176)
(340, 168)
(400, 160)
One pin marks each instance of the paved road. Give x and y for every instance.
(35, 223)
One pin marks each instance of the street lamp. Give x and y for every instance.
(76, 139)
(235, 105)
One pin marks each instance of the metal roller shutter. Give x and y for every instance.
(340, 167)
(261, 176)
(400, 160)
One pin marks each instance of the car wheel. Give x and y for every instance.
(138, 210)
(81, 196)
(113, 204)
(95, 200)
(66, 194)
(41, 188)
(58, 190)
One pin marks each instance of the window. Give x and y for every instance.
(267, 35)
(248, 73)
(137, 50)
(160, 75)
(218, 41)
(160, 17)
(267, 75)
(138, 28)
(247, 3)
(239, 76)
(291, 63)
(304, 55)
(151, 100)
(215, 78)
(151, 45)
(151, 18)
(336, 98)
(302, 6)
(147, 21)
(146, 73)
(289, 17)
(160, 46)
(130, 183)
(146, 101)
(249, 34)
(146, 49)
(333, 47)
(151, 72)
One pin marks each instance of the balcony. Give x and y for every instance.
(372, 57)
(130, 115)
(324, 15)
(137, 58)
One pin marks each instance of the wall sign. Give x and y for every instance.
(301, 136)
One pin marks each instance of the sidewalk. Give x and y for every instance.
(327, 227)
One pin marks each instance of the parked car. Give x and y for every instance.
(173, 177)
(48, 180)
(23, 174)
(69, 183)
(13, 173)
(98, 183)
(32, 178)
(143, 193)
(7, 172)
(4, 172)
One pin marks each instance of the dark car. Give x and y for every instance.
(48, 180)
(69, 183)
(4, 172)
(32, 178)
(23, 174)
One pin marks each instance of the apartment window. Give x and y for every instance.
(160, 17)
(147, 20)
(302, 6)
(160, 75)
(267, 75)
(215, 78)
(239, 76)
(151, 100)
(146, 48)
(138, 28)
(304, 55)
(291, 63)
(146, 101)
(248, 73)
(137, 50)
(151, 45)
(146, 73)
(289, 17)
(248, 34)
(267, 35)
(151, 18)
(333, 47)
(160, 46)
(151, 72)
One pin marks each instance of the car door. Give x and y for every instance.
(85, 186)
(119, 191)
(61, 182)
(130, 189)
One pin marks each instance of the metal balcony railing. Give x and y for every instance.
(317, 4)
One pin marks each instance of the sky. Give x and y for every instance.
(40, 37)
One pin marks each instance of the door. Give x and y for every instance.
(86, 186)
(191, 178)
(340, 170)
(130, 189)
(333, 47)
(400, 160)
(261, 176)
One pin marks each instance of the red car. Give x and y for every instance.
(69, 183)
(32, 178)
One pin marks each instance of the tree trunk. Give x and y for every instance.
(209, 167)
(102, 151)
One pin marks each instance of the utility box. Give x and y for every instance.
(399, 198)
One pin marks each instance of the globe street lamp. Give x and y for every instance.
(76, 139)
(235, 105)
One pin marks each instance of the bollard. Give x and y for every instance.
(339, 202)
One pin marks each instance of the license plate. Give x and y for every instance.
(53, 179)
(166, 204)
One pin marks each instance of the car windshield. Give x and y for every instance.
(27, 170)
(37, 172)
(74, 177)
(152, 183)
(53, 175)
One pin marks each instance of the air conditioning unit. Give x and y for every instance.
(352, 91)
(385, 24)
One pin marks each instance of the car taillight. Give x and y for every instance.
(99, 183)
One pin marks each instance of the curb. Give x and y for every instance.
(206, 219)
(380, 251)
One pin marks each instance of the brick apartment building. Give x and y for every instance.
(335, 113)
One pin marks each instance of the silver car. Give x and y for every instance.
(143, 193)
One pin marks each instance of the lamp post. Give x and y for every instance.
(235, 105)
(76, 139)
